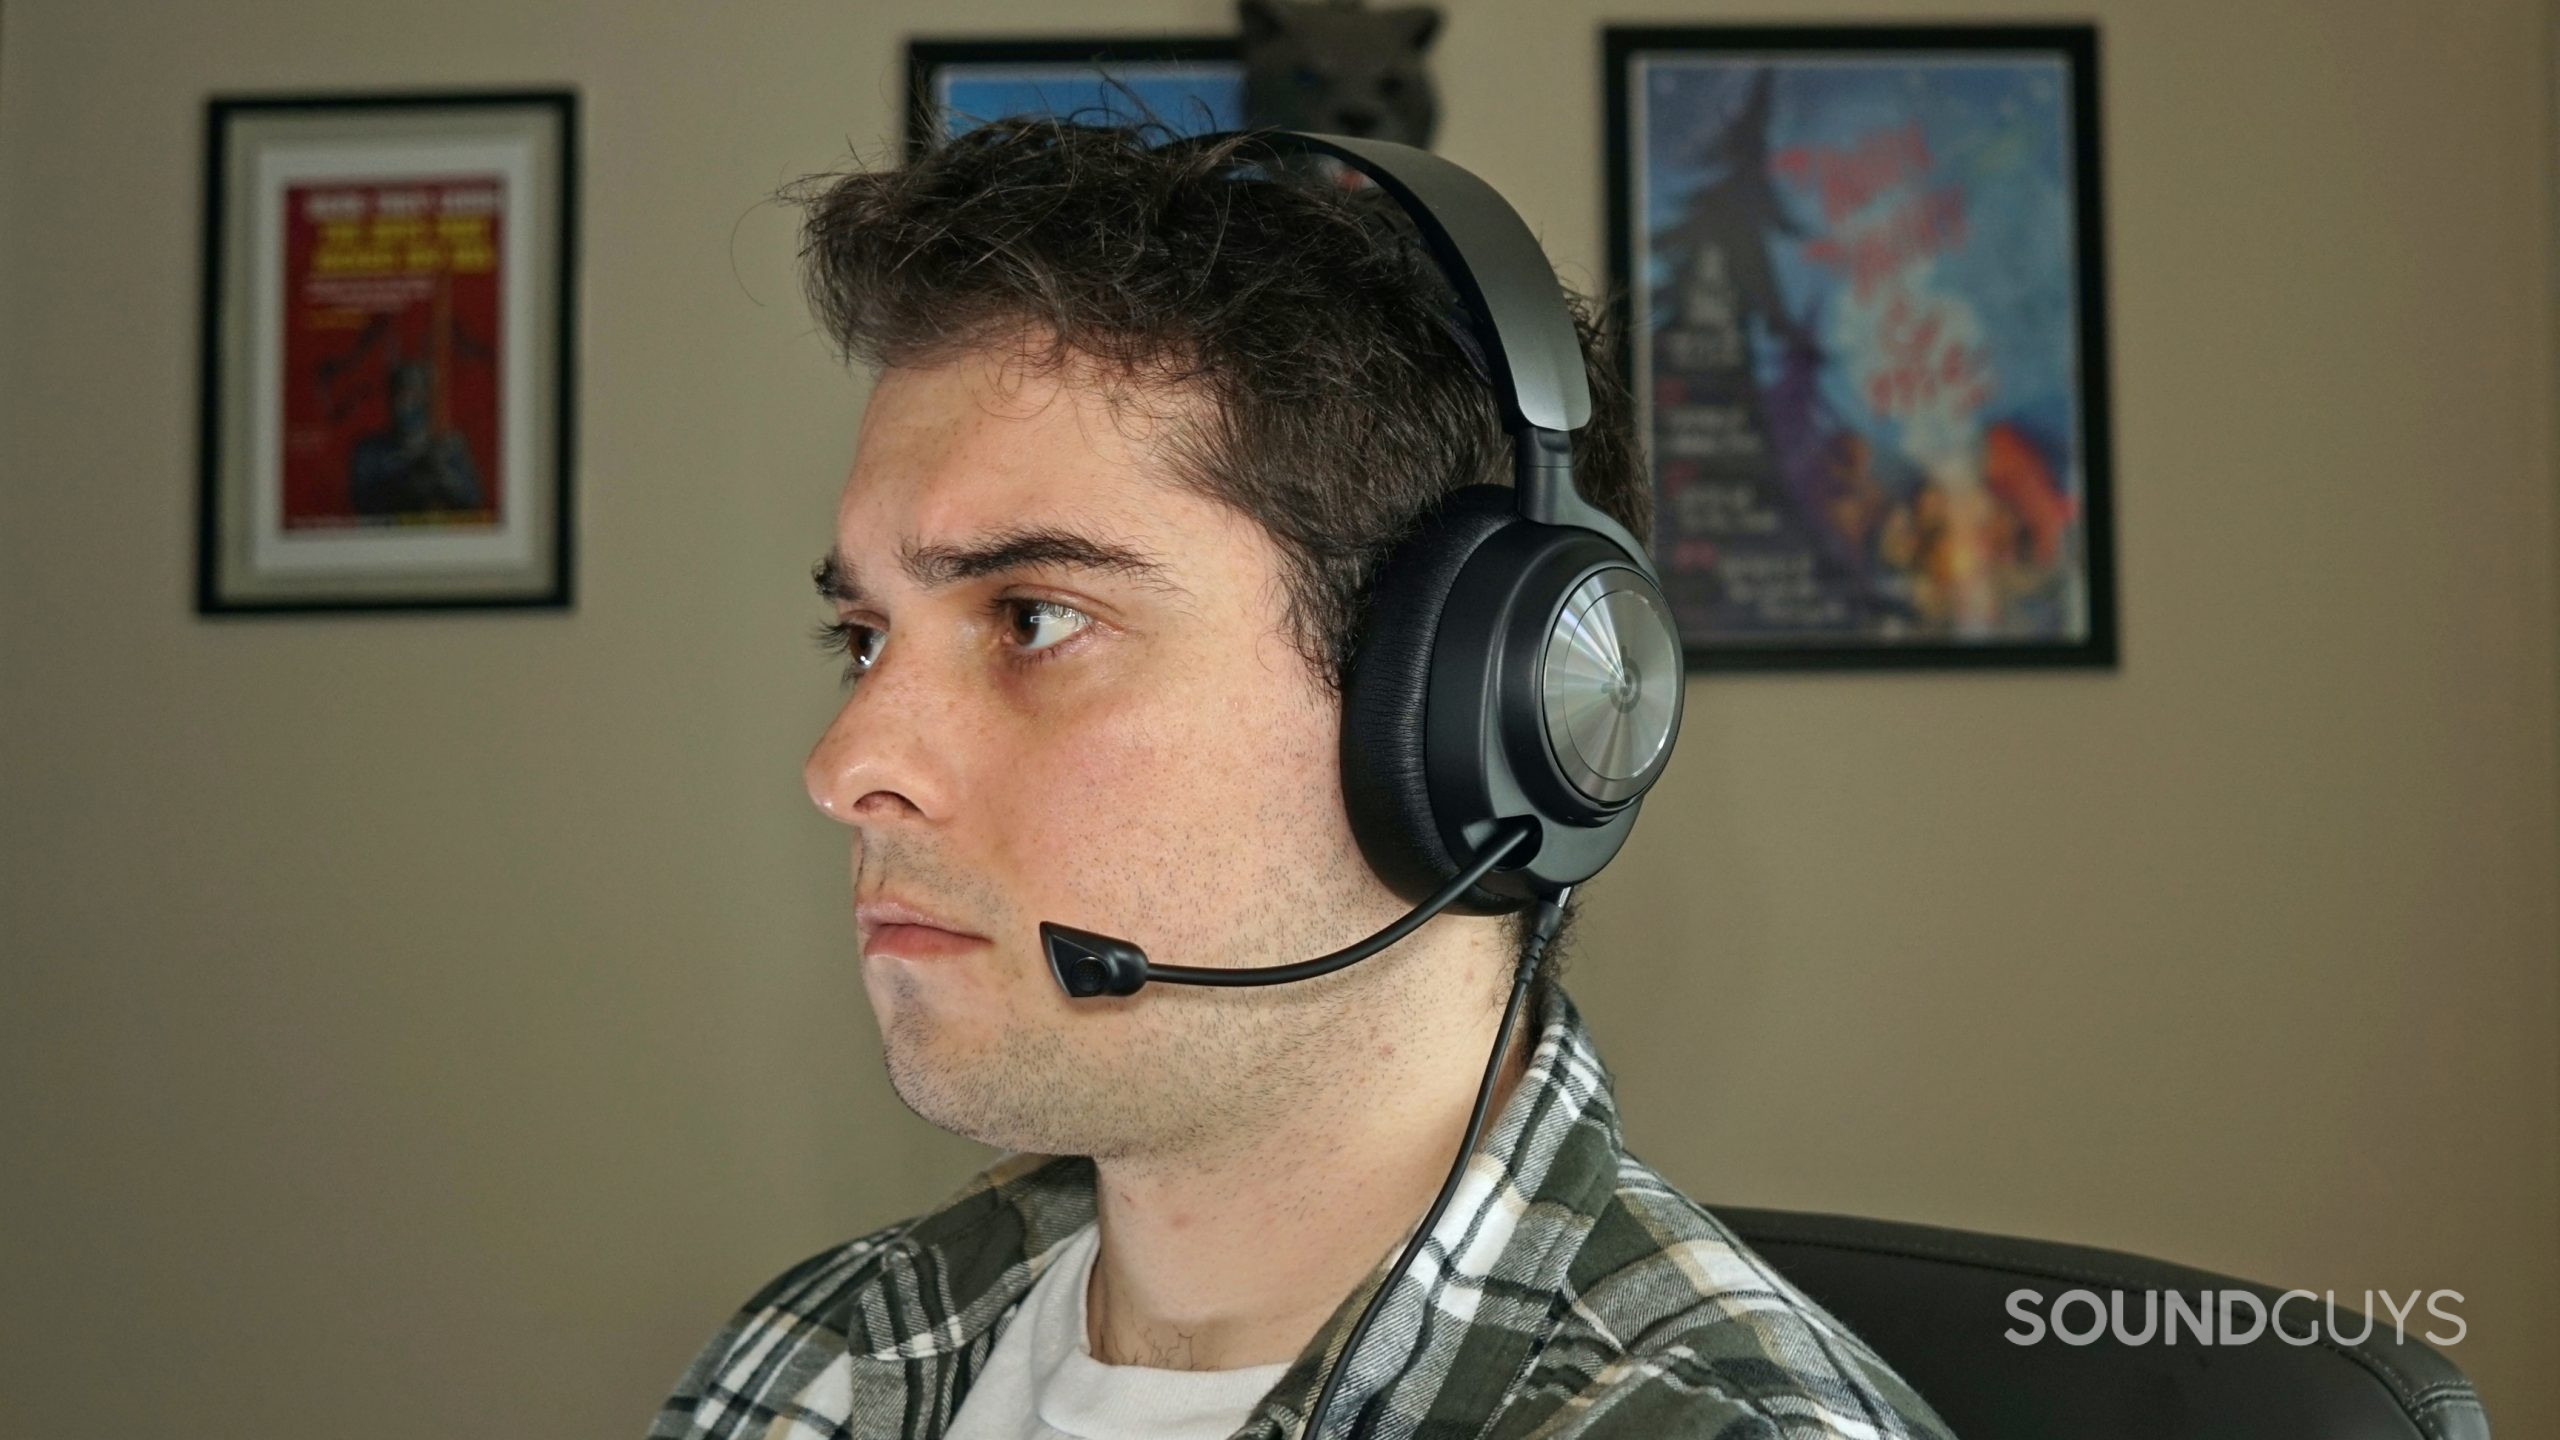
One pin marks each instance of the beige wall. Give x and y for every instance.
(416, 1019)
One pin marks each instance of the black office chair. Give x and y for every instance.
(1935, 1304)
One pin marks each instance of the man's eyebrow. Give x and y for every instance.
(1004, 552)
(835, 579)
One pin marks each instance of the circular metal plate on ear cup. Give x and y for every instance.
(1610, 684)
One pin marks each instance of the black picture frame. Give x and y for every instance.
(931, 61)
(368, 145)
(2094, 642)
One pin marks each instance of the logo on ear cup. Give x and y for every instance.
(1629, 684)
(1608, 684)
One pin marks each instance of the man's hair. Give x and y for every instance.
(1345, 397)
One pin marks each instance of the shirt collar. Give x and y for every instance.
(1547, 1166)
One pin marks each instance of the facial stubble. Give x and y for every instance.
(1169, 1072)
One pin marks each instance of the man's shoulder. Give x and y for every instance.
(1676, 1327)
(791, 1326)
(815, 1288)
(964, 1265)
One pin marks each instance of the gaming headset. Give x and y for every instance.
(1516, 684)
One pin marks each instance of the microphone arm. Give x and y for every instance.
(1088, 964)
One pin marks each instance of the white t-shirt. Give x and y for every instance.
(1042, 1382)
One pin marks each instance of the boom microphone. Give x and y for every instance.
(1088, 964)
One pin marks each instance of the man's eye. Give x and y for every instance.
(1039, 624)
(859, 644)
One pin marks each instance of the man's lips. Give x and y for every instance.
(894, 927)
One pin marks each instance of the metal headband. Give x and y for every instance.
(1491, 259)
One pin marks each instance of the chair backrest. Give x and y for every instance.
(1937, 1305)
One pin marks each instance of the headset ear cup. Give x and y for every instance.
(1383, 765)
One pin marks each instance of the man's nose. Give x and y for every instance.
(872, 763)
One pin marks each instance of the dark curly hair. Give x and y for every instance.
(1347, 399)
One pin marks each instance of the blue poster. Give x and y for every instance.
(1859, 352)
(1191, 97)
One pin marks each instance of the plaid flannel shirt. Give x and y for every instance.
(1568, 1293)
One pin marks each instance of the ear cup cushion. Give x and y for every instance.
(1383, 775)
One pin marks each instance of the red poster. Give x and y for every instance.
(392, 342)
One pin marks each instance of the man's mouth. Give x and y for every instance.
(897, 929)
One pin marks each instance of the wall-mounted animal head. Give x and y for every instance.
(1336, 67)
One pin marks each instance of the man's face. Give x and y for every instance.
(409, 397)
(1082, 704)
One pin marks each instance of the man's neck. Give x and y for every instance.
(1236, 1261)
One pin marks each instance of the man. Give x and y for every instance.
(411, 465)
(1147, 419)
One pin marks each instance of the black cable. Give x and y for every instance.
(1541, 933)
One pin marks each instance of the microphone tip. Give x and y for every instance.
(1087, 964)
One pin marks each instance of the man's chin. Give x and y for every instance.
(997, 1126)
(1000, 1091)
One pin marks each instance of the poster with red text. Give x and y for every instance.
(392, 353)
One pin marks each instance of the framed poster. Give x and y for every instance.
(1192, 84)
(389, 351)
(1865, 316)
